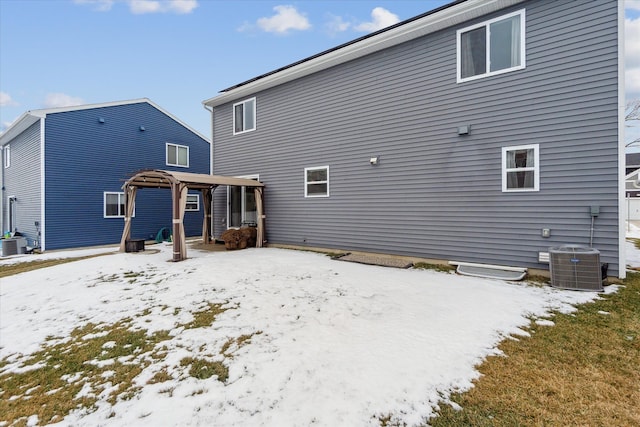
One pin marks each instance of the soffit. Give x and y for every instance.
(454, 14)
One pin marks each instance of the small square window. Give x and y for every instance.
(177, 155)
(492, 47)
(316, 182)
(193, 203)
(520, 168)
(244, 116)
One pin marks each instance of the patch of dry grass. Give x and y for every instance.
(206, 317)
(70, 375)
(21, 267)
(584, 371)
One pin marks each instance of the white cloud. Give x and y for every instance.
(336, 24)
(53, 100)
(182, 6)
(140, 7)
(287, 18)
(632, 83)
(99, 5)
(632, 4)
(6, 100)
(632, 58)
(381, 18)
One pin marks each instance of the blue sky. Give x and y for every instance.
(180, 52)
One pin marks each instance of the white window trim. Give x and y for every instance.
(535, 168)
(178, 146)
(486, 24)
(7, 155)
(104, 204)
(197, 202)
(242, 195)
(255, 117)
(306, 183)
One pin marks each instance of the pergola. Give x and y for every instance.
(180, 183)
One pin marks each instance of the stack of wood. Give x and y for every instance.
(242, 238)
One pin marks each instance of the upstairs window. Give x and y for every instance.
(316, 182)
(177, 155)
(521, 168)
(492, 47)
(193, 203)
(244, 116)
(7, 155)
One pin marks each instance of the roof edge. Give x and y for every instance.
(421, 25)
(31, 116)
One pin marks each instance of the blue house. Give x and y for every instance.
(484, 131)
(63, 169)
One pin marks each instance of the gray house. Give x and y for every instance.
(484, 131)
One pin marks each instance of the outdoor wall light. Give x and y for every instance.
(100, 119)
(464, 130)
(142, 129)
(374, 160)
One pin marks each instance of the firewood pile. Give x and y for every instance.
(240, 238)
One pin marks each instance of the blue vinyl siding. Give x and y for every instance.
(435, 194)
(84, 158)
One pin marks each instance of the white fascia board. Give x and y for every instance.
(31, 116)
(17, 127)
(43, 112)
(177, 120)
(448, 17)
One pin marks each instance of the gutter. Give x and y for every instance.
(436, 20)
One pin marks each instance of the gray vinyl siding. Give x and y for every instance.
(435, 194)
(23, 180)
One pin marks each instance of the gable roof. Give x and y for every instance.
(438, 19)
(30, 117)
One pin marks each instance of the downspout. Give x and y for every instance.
(42, 233)
(212, 230)
(622, 261)
(2, 226)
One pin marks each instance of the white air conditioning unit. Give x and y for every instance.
(575, 267)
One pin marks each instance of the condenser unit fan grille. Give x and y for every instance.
(575, 267)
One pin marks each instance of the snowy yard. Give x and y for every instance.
(332, 343)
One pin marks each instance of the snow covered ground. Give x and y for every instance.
(340, 343)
